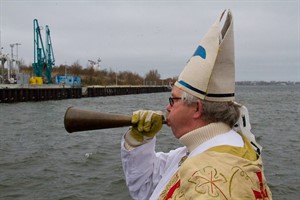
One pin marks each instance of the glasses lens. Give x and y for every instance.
(171, 101)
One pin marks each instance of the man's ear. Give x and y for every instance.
(198, 109)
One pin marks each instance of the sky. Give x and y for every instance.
(139, 36)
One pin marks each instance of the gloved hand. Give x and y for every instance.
(146, 124)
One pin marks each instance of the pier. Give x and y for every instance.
(25, 93)
(96, 91)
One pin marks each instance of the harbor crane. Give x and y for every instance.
(43, 60)
(95, 64)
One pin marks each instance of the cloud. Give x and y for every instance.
(142, 35)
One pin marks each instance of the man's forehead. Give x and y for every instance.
(176, 90)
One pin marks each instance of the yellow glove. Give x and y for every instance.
(146, 124)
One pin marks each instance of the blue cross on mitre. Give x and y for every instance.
(200, 51)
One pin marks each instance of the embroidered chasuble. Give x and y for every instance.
(222, 172)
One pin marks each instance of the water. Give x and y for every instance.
(40, 160)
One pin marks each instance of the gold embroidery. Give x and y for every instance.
(207, 182)
(183, 159)
(242, 173)
(177, 194)
(173, 180)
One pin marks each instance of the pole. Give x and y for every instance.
(17, 60)
(3, 60)
(11, 62)
(116, 78)
(0, 43)
(65, 70)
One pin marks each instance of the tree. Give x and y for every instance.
(60, 70)
(152, 77)
(92, 76)
(76, 68)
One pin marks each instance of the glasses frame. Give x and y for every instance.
(171, 100)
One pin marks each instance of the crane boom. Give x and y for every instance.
(50, 55)
(43, 60)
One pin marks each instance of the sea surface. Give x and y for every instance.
(40, 160)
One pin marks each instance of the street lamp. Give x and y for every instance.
(3, 59)
(11, 61)
(17, 60)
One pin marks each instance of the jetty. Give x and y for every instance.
(13, 93)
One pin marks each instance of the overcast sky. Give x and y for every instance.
(139, 36)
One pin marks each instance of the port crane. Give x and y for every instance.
(95, 64)
(43, 59)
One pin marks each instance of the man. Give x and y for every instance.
(216, 162)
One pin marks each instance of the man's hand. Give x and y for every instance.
(147, 123)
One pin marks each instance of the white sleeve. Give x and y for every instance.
(143, 169)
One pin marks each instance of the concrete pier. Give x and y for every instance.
(14, 93)
(96, 91)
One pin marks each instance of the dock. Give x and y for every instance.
(13, 93)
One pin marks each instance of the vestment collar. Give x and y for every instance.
(198, 136)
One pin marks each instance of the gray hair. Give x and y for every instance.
(226, 112)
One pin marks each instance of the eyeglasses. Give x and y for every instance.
(171, 100)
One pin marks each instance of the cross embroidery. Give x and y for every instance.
(262, 194)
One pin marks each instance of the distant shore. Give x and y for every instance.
(279, 83)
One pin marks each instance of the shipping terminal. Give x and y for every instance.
(41, 86)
